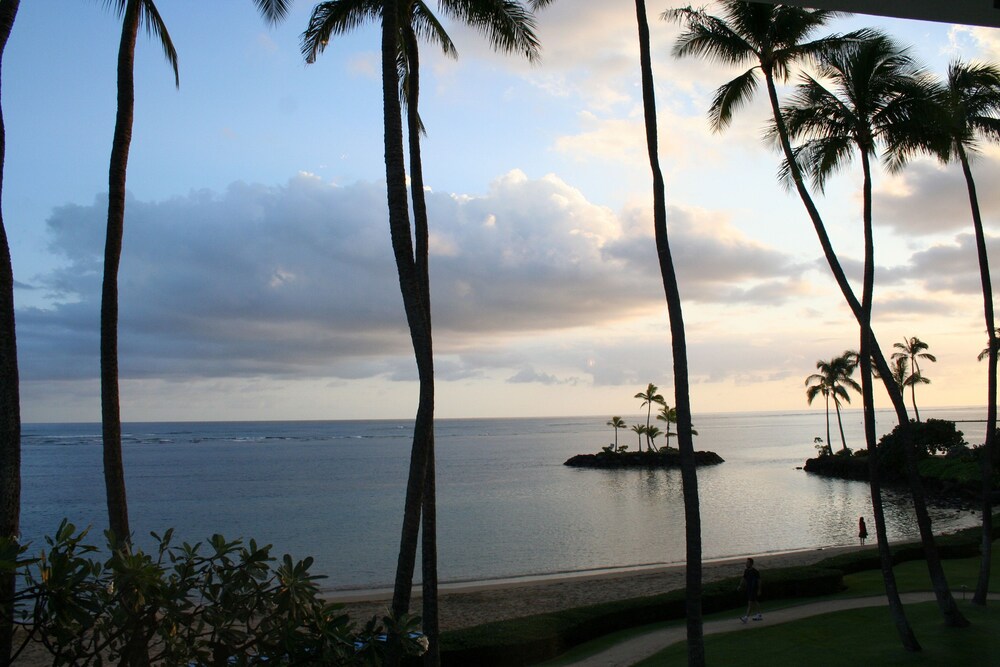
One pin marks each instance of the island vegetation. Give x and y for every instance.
(616, 455)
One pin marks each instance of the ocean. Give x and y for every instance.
(507, 506)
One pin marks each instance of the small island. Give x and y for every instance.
(617, 456)
(661, 458)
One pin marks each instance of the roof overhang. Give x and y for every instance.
(965, 12)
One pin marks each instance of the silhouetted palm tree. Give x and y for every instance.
(832, 381)
(640, 430)
(508, 27)
(913, 349)
(616, 423)
(678, 343)
(10, 400)
(773, 38)
(649, 397)
(864, 95)
(968, 111)
(133, 13)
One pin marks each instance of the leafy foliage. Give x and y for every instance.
(222, 602)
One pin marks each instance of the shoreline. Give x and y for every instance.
(466, 604)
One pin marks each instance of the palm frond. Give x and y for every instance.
(508, 25)
(273, 11)
(731, 97)
(151, 20)
(335, 17)
(709, 37)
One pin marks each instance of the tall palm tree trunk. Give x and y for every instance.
(10, 400)
(896, 610)
(428, 560)
(410, 288)
(983, 583)
(689, 475)
(903, 628)
(114, 473)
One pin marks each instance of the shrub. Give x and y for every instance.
(185, 605)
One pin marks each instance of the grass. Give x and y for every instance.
(863, 636)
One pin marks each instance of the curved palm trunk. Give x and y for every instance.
(410, 288)
(896, 610)
(10, 400)
(114, 473)
(982, 585)
(840, 421)
(428, 560)
(689, 475)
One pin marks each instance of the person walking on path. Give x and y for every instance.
(751, 582)
(862, 530)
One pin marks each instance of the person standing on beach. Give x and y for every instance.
(862, 530)
(751, 581)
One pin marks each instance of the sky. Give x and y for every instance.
(257, 279)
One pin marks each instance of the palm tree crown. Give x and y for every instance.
(832, 382)
(770, 38)
(868, 92)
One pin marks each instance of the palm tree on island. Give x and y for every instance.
(616, 423)
(649, 397)
(832, 381)
(913, 349)
(639, 430)
(651, 434)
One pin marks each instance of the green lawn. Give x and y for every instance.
(857, 637)
(864, 636)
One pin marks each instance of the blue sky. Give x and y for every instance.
(257, 279)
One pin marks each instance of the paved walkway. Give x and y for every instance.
(642, 646)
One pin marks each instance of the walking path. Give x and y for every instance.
(642, 646)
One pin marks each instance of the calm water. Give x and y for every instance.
(507, 507)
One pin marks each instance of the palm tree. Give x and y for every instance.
(133, 13)
(509, 27)
(640, 430)
(651, 434)
(10, 400)
(900, 370)
(832, 381)
(818, 384)
(616, 423)
(668, 415)
(771, 39)
(649, 397)
(863, 96)
(678, 342)
(968, 106)
(913, 349)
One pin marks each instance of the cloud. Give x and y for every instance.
(930, 198)
(299, 280)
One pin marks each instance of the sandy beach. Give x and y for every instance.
(472, 604)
